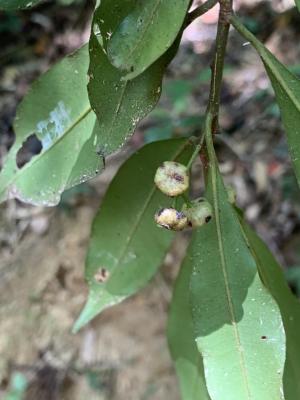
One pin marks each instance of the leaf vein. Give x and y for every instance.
(222, 253)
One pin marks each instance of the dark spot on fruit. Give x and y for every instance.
(264, 337)
(208, 218)
(160, 212)
(179, 215)
(177, 177)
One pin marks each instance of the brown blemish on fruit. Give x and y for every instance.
(177, 177)
(171, 219)
(179, 215)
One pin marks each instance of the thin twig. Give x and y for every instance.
(196, 152)
(202, 9)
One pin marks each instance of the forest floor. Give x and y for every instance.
(123, 353)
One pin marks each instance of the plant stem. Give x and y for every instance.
(212, 112)
(202, 9)
(218, 63)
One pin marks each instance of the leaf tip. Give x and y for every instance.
(79, 323)
(86, 315)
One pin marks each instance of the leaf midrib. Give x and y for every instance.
(142, 35)
(116, 113)
(216, 207)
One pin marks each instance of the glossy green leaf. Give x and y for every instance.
(188, 361)
(10, 5)
(145, 34)
(273, 278)
(126, 246)
(118, 104)
(287, 90)
(58, 112)
(108, 16)
(237, 322)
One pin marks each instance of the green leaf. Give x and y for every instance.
(273, 278)
(238, 326)
(9, 5)
(58, 112)
(298, 4)
(108, 16)
(118, 104)
(145, 34)
(187, 359)
(126, 246)
(287, 90)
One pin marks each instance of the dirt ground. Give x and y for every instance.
(123, 353)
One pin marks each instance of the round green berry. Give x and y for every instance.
(172, 178)
(171, 219)
(198, 212)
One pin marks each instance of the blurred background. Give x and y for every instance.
(123, 353)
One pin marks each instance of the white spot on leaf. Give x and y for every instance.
(52, 128)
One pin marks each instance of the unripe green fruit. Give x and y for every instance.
(171, 219)
(199, 212)
(172, 178)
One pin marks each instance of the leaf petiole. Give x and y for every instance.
(195, 153)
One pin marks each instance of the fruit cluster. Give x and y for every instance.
(173, 179)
